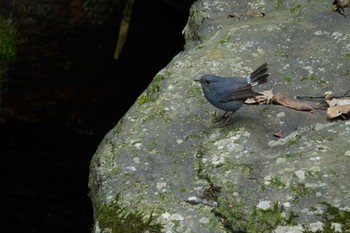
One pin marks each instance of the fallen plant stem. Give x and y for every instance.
(320, 97)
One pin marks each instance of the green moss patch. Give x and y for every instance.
(122, 219)
(152, 91)
(8, 36)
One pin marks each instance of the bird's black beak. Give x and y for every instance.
(197, 80)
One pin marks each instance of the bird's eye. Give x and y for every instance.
(207, 82)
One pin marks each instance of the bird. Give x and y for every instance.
(230, 93)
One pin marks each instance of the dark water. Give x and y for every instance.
(58, 116)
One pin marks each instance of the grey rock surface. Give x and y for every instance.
(167, 158)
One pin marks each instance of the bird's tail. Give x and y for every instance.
(259, 75)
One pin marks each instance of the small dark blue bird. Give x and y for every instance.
(229, 94)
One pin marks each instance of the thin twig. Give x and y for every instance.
(346, 93)
(309, 97)
(320, 97)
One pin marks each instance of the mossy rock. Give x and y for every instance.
(8, 36)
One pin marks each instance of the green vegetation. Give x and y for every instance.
(292, 142)
(317, 79)
(300, 190)
(258, 220)
(347, 55)
(225, 39)
(8, 36)
(121, 219)
(335, 215)
(326, 138)
(281, 53)
(296, 9)
(331, 216)
(276, 3)
(264, 109)
(152, 91)
(287, 79)
(267, 220)
(277, 182)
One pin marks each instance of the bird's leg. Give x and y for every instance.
(228, 119)
(224, 116)
(227, 116)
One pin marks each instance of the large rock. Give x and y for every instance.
(168, 166)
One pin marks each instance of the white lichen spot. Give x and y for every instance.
(264, 205)
(315, 170)
(260, 51)
(289, 229)
(131, 168)
(314, 185)
(267, 180)
(336, 35)
(309, 69)
(192, 198)
(97, 227)
(285, 66)
(317, 211)
(229, 144)
(138, 145)
(281, 160)
(176, 217)
(347, 153)
(318, 194)
(171, 87)
(216, 160)
(160, 185)
(287, 204)
(271, 28)
(256, 5)
(315, 158)
(316, 226)
(136, 160)
(321, 69)
(346, 208)
(204, 220)
(318, 33)
(214, 136)
(246, 134)
(179, 141)
(166, 215)
(300, 174)
(281, 114)
(336, 227)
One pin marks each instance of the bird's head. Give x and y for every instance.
(209, 81)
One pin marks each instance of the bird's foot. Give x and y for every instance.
(226, 118)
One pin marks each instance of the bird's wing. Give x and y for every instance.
(239, 92)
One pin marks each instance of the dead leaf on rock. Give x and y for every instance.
(336, 111)
(278, 134)
(338, 102)
(290, 103)
(264, 98)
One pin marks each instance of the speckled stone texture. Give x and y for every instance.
(167, 158)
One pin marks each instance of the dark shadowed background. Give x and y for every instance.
(64, 93)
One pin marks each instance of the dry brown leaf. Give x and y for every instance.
(333, 112)
(338, 102)
(278, 134)
(264, 98)
(290, 103)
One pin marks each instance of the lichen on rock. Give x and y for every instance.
(169, 158)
